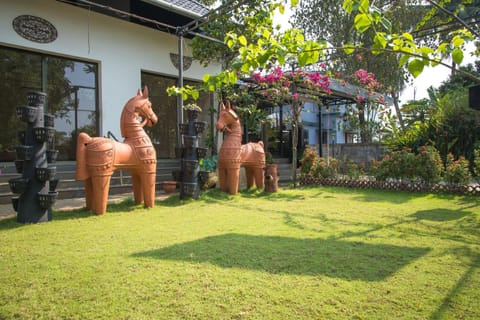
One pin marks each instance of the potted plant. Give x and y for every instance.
(207, 174)
(192, 110)
(169, 186)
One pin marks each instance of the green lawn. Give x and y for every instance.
(308, 253)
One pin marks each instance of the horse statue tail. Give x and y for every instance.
(82, 170)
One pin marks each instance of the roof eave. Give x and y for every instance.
(174, 8)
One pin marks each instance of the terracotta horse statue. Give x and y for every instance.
(233, 154)
(98, 158)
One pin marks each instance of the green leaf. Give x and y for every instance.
(302, 59)
(349, 48)
(380, 40)
(442, 48)
(348, 6)
(457, 56)
(245, 68)
(457, 41)
(195, 94)
(262, 59)
(415, 67)
(232, 77)
(364, 5)
(386, 23)
(407, 36)
(403, 60)
(362, 22)
(242, 40)
(266, 33)
(237, 65)
(294, 3)
(206, 77)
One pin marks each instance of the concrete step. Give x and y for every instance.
(120, 182)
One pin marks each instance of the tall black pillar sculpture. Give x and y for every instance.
(190, 155)
(35, 188)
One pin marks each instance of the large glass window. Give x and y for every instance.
(164, 133)
(71, 88)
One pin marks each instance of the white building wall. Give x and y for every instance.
(121, 49)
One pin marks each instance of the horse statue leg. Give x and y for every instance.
(148, 189)
(89, 194)
(101, 186)
(222, 179)
(259, 175)
(137, 187)
(250, 173)
(233, 179)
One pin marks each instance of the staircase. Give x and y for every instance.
(121, 180)
(68, 187)
(284, 169)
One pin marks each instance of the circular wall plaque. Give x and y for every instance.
(34, 29)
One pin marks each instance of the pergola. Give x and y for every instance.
(341, 94)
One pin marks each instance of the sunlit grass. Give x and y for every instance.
(312, 253)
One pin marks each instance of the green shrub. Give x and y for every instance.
(398, 165)
(456, 171)
(349, 168)
(324, 169)
(313, 166)
(428, 164)
(476, 163)
(405, 165)
(307, 162)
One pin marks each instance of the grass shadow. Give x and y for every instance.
(465, 280)
(9, 223)
(282, 255)
(124, 206)
(439, 214)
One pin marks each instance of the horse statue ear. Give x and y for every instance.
(145, 92)
(231, 110)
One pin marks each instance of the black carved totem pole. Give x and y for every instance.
(35, 188)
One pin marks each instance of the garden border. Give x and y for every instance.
(471, 190)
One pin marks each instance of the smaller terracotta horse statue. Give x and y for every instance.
(98, 158)
(233, 154)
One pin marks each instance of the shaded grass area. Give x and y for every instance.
(309, 253)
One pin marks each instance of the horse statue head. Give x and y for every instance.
(138, 107)
(227, 118)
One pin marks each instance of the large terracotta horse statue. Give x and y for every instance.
(233, 154)
(98, 158)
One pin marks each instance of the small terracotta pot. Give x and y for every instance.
(169, 186)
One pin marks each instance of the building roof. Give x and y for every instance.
(164, 15)
(188, 7)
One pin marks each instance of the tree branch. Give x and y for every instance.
(464, 73)
(463, 23)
